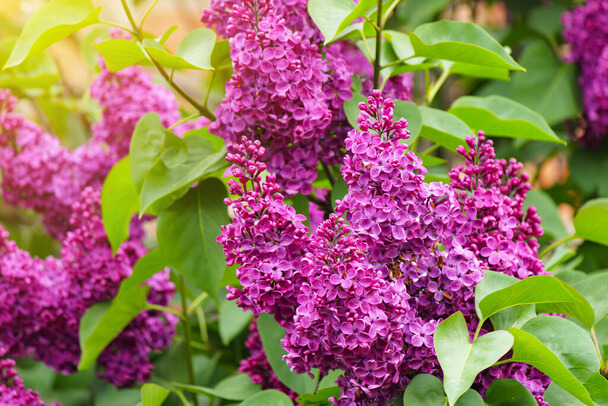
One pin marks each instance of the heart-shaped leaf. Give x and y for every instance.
(509, 392)
(461, 42)
(104, 321)
(503, 117)
(443, 128)
(120, 53)
(427, 390)
(153, 395)
(119, 202)
(532, 290)
(559, 349)
(193, 52)
(460, 360)
(54, 21)
(591, 221)
(333, 16)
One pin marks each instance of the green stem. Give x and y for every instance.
(122, 27)
(389, 11)
(367, 48)
(143, 19)
(183, 120)
(196, 302)
(152, 306)
(188, 339)
(432, 91)
(506, 361)
(330, 174)
(137, 32)
(378, 46)
(399, 62)
(597, 347)
(555, 245)
(478, 330)
(202, 324)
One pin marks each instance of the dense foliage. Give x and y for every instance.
(375, 202)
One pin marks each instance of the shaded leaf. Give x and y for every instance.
(104, 321)
(187, 233)
(443, 128)
(236, 387)
(460, 360)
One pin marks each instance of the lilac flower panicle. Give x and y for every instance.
(286, 91)
(586, 30)
(12, 391)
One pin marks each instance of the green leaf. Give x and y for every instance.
(581, 309)
(443, 128)
(38, 72)
(119, 203)
(153, 395)
(460, 360)
(269, 397)
(427, 390)
(477, 71)
(549, 86)
(593, 288)
(532, 290)
(547, 209)
(430, 160)
(460, 42)
(402, 46)
(320, 398)
(502, 117)
(591, 221)
(170, 182)
(559, 349)
(232, 321)
(146, 267)
(333, 16)
(556, 396)
(193, 52)
(411, 112)
(509, 392)
(187, 231)
(54, 21)
(237, 387)
(119, 54)
(271, 333)
(103, 322)
(146, 147)
(351, 108)
(512, 317)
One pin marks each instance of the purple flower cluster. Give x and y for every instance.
(366, 297)
(124, 97)
(284, 90)
(586, 30)
(39, 173)
(267, 241)
(502, 234)
(493, 191)
(44, 300)
(12, 391)
(258, 367)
